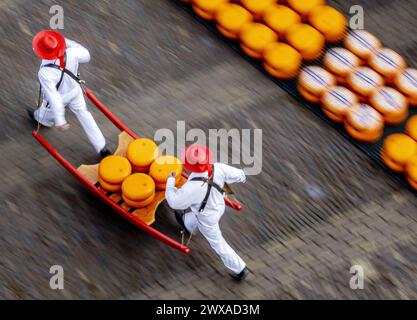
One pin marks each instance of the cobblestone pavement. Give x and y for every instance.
(319, 206)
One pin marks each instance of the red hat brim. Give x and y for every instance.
(39, 50)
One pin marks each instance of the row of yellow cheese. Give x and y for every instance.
(140, 174)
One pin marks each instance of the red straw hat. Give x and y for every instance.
(49, 45)
(197, 158)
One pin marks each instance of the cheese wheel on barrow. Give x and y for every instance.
(255, 37)
(406, 82)
(362, 43)
(114, 169)
(411, 171)
(313, 82)
(338, 102)
(207, 8)
(141, 153)
(387, 63)
(282, 61)
(364, 123)
(163, 186)
(108, 186)
(411, 127)
(138, 204)
(257, 7)
(231, 18)
(365, 81)
(397, 150)
(306, 40)
(280, 19)
(391, 104)
(341, 62)
(330, 22)
(138, 187)
(163, 166)
(304, 7)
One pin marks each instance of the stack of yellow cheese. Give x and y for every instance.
(306, 40)
(397, 150)
(231, 18)
(281, 60)
(330, 22)
(406, 82)
(162, 167)
(113, 170)
(207, 8)
(280, 19)
(138, 190)
(255, 37)
(305, 7)
(141, 153)
(364, 123)
(257, 7)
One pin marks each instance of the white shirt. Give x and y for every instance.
(49, 78)
(192, 193)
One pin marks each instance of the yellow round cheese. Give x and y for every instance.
(138, 187)
(163, 166)
(398, 148)
(207, 8)
(307, 40)
(330, 22)
(163, 186)
(114, 169)
(231, 18)
(313, 82)
(364, 123)
(391, 104)
(304, 7)
(341, 62)
(338, 102)
(255, 37)
(411, 127)
(138, 204)
(142, 152)
(257, 7)
(108, 186)
(281, 60)
(388, 63)
(411, 170)
(406, 82)
(362, 43)
(280, 18)
(364, 81)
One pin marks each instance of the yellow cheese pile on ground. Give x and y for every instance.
(411, 171)
(306, 40)
(255, 37)
(304, 7)
(280, 19)
(113, 170)
(257, 7)
(330, 22)
(207, 8)
(282, 61)
(411, 127)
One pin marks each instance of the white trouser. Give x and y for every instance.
(211, 231)
(76, 102)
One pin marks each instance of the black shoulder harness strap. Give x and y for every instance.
(210, 184)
